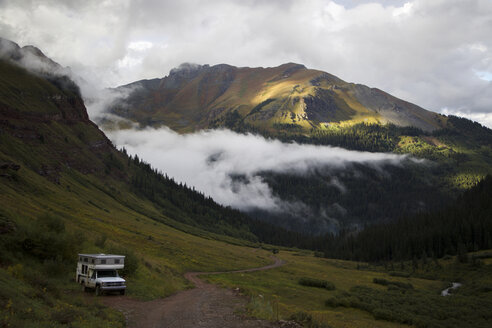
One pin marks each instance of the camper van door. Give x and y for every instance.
(92, 279)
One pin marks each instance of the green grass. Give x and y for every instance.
(106, 217)
(35, 91)
(359, 302)
(84, 206)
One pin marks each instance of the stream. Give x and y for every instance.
(446, 292)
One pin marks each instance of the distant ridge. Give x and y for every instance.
(287, 97)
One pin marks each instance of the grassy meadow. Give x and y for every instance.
(368, 295)
(44, 226)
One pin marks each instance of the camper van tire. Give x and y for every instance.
(98, 291)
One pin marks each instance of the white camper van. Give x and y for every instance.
(100, 272)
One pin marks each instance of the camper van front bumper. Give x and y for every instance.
(109, 287)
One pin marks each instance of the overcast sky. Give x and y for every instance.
(437, 54)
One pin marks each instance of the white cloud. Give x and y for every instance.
(426, 52)
(208, 160)
(404, 10)
(140, 45)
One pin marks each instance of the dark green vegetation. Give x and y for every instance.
(392, 284)
(467, 306)
(36, 266)
(356, 195)
(464, 226)
(372, 295)
(187, 206)
(418, 308)
(65, 189)
(311, 282)
(296, 104)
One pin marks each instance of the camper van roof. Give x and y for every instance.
(102, 256)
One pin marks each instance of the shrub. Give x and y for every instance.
(382, 314)
(380, 281)
(306, 320)
(484, 255)
(399, 274)
(54, 268)
(311, 282)
(16, 271)
(398, 284)
(65, 315)
(101, 241)
(46, 239)
(131, 260)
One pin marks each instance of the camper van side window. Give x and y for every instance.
(117, 261)
(103, 261)
(86, 259)
(92, 261)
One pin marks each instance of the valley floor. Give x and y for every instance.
(205, 306)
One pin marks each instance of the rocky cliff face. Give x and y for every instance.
(43, 118)
(289, 96)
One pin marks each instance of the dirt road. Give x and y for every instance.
(205, 306)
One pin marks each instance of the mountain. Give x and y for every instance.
(289, 96)
(293, 103)
(46, 131)
(65, 189)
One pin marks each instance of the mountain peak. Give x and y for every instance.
(289, 96)
(292, 65)
(30, 58)
(187, 69)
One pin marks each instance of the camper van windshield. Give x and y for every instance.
(107, 273)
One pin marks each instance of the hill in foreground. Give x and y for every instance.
(64, 189)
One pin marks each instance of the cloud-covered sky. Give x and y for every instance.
(437, 54)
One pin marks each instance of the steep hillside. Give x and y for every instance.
(293, 103)
(64, 188)
(464, 226)
(287, 97)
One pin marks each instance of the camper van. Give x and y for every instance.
(100, 273)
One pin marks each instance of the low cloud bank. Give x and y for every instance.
(212, 161)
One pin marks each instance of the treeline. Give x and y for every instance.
(377, 196)
(358, 194)
(186, 205)
(463, 227)
(463, 130)
(377, 137)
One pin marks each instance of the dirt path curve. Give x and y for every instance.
(205, 306)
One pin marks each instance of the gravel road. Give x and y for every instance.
(205, 306)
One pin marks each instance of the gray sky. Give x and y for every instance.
(437, 54)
